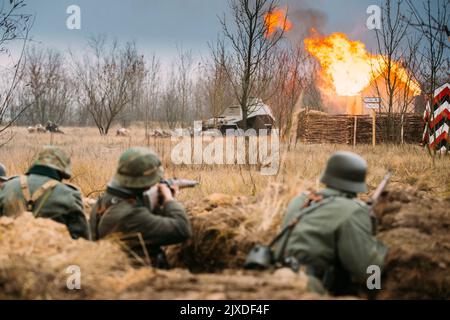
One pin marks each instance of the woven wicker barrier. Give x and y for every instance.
(320, 127)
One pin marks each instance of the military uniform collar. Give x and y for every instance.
(329, 192)
(45, 171)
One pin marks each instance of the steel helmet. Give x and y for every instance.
(138, 168)
(55, 158)
(345, 171)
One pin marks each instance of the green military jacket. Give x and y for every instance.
(61, 203)
(338, 232)
(142, 231)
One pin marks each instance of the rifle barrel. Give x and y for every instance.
(183, 183)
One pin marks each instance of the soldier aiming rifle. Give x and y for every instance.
(140, 208)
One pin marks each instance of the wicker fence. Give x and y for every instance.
(320, 127)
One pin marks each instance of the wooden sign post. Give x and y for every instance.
(373, 103)
(374, 127)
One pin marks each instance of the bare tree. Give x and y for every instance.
(293, 72)
(184, 84)
(48, 88)
(251, 49)
(106, 79)
(136, 95)
(178, 97)
(170, 100)
(391, 39)
(312, 96)
(432, 23)
(409, 91)
(14, 26)
(219, 92)
(152, 87)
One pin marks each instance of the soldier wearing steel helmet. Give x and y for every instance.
(333, 241)
(42, 192)
(3, 176)
(123, 212)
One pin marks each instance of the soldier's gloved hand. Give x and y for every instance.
(165, 192)
(175, 189)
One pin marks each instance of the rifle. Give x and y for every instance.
(180, 183)
(375, 198)
(153, 199)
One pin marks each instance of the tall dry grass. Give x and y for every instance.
(225, 227)
(94, 160)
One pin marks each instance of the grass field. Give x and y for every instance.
(94, 160)
(233, 208)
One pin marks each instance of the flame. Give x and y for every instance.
(276, 20)
(348, 67)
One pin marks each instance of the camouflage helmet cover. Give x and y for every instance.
(345, 171)
(55, 158)
(138, 168)
(2, 173)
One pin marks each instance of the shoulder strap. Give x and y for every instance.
(50, 184)
(307, 208)
(313, 202)
(24, 187)
(31, 199)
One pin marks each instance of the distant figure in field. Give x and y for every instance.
(158, 133)
(122, 132)
(39, 128)
(42, 192)
(53, 127)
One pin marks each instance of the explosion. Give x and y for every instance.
(348, 67)
(276, 20)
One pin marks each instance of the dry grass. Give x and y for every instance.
(36, 253)
(247, 209)
(95, 157)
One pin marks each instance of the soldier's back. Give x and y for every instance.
(314, 238)
(50, 199)
(109, 216)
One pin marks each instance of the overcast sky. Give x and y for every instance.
(161, 26)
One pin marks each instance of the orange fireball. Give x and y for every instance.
(277, 20)
(347, 65)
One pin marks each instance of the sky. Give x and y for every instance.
(164, 26)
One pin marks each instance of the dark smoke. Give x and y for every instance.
(306, 20)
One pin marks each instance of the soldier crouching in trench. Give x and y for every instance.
(42, 192)
(328, 234)
(123, 212)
